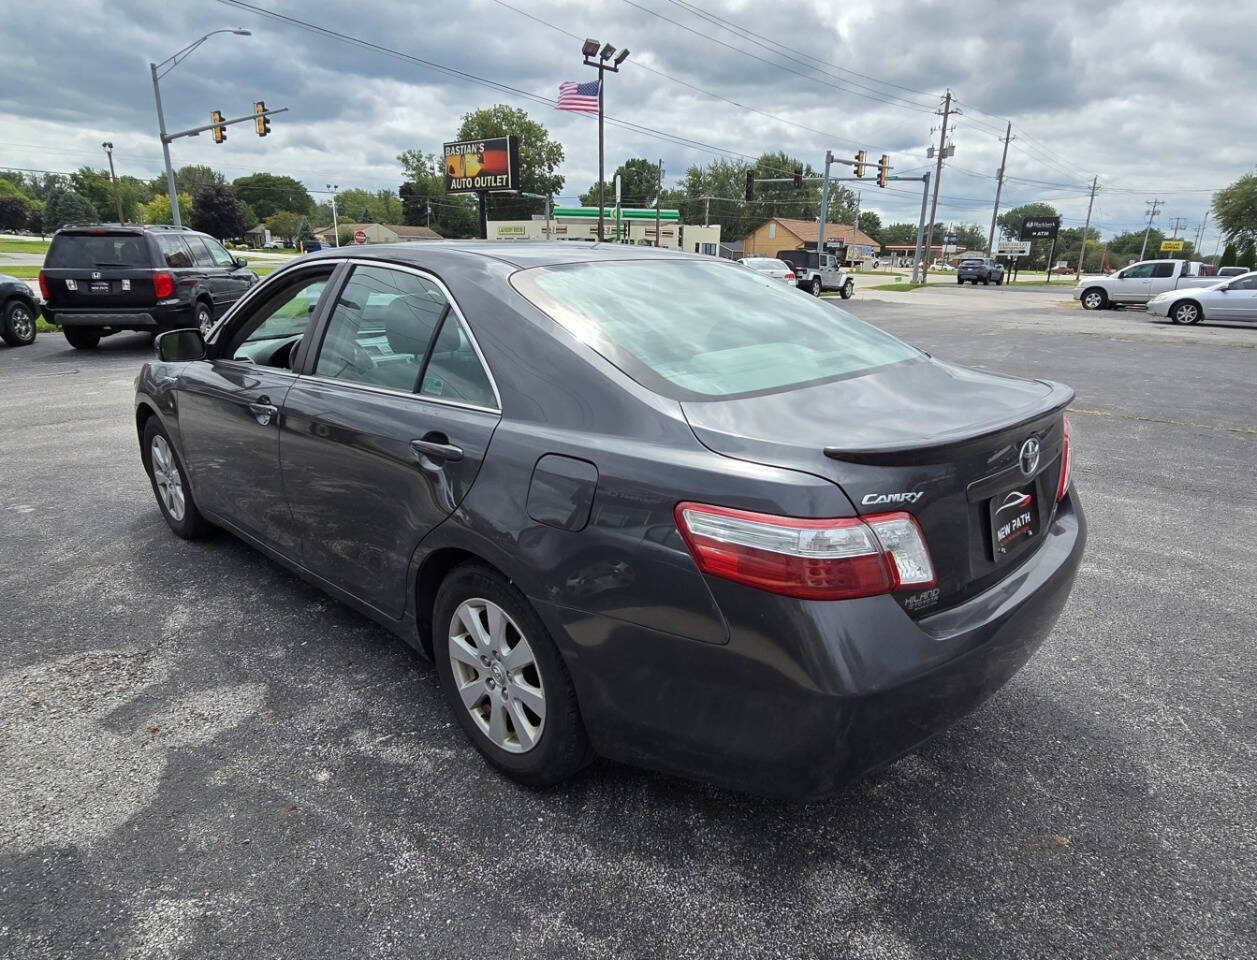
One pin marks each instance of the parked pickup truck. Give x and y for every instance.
(816, 272)
(1139, 283)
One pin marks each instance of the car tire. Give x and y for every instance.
(1094, 298)
(203, 316)
(494, 701)
(848, 289)
(17, 323)
(959, 282)
(986, 281)
(816, 286)
(999, 281)
(1186, 312)
(170, 483)
(82, 338)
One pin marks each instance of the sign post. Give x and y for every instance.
(482, 167)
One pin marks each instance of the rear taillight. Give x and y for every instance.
(163, 285)
(43, 285)
(1067, 466)
(829, 559)
(790, 277)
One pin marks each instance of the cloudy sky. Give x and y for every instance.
(1153, 97)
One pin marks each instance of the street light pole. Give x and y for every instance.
(333, 187)
(589, 49)
(174, 60)
(113, 178)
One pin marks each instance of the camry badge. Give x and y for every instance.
(877, 499)
(1029, 456)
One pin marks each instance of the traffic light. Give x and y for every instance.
(859, 164)
(883, 170)
(750, 185)
(220, 132)
(798, 178)
(261, 120)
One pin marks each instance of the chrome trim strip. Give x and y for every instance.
(285, 271)
(390, 392)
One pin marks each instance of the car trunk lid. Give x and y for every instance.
(99, 269)
(938, 441)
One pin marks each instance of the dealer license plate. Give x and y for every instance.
(100, 286)
(1014, 520)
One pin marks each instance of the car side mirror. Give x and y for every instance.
(241, 262)
(180, 346)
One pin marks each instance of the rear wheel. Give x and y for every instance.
(959, 282)
(1185, 312)
(170, 483)
(1094, 299)
(17, 324)
(816, 286)
(986, 281)
(504, 679)
(82, 338)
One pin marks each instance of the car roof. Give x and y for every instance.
(517, 253)
(126, 228)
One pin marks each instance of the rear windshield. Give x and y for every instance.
(694, 329)
(108, 250)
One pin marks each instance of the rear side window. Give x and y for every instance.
(104, 250)
(694, 329)
(1163, 270)
(175, 252)
(455, 372)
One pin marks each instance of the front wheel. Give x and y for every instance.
(816, 286)
(504, 679)
(1185, 312)
(848, 289)
(170, 483)
(17, 324)
(82, 338)
(1095, 299)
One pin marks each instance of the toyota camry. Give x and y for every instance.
(636, 504)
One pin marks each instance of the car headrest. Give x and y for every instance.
(408, 326)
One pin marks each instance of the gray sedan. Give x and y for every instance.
(1233, 300)
(633, 503)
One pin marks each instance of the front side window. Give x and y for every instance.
(1141, 271)
(380, 328)
(174, 251)
(270, 334)
(703, 329)
(1247, 283)
(221, 257)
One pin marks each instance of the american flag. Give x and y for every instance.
(579, 97)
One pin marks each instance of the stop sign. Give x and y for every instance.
(360, 236)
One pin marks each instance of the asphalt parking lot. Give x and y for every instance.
(201, 756)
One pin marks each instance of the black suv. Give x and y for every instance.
(98, 280)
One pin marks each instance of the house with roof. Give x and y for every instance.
(849, 243)
(376, 233)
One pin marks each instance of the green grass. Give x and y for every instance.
(43, 326)
(22, 273)
(896, 287)
(23, 246)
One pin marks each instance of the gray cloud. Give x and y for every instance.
(1150, 96)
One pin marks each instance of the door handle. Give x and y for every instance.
(437, 446)
(263, 410)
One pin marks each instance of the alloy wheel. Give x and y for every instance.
(166, 478)
(204, 319)
(21, 323)
(1092, 301)
(496, 675)
(1186, 313)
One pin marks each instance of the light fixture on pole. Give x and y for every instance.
(113, 178)
(332, 188)
(159, 70)
(602, 62)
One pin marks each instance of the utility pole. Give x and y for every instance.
(1082, 254)
(113, 178)
(658, 199)
(1152, 212)
(999, 187)
(820, 227)
(332, 188)
(918, 263)
(1200, 232)
(549, 215)
(706, 211)
(938, 174)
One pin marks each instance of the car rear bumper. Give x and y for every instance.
(798, 707)
(152, 318)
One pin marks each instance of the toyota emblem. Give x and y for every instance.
(1029, 457)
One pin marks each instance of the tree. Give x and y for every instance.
(967, 235)
(191, 177)
(539, 157)
(638, 185)
(13, 211)
(68, 206)
(216, 211)
(97, 187)
(247, 216)
(425, 202)
(1248, 257)
(268, 194)
(871, 224)
(1228, 255)
(284, 224)
(157, 210)
(305, 236)
(1235, 210)
(899, 234)
(1127, 246)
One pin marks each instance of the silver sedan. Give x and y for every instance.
(1233, 300)
(770, 267)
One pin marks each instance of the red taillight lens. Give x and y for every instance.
(1067, 466)
(827, 559)
(43, 285)
(791, 276)
(163, 285)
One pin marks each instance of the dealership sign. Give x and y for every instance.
(1013, 248)
(1040, 228)
(474, 166)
